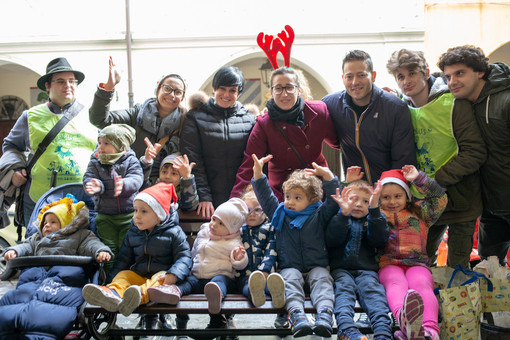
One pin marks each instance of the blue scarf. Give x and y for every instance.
(299, 216)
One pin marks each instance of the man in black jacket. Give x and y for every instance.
(487, 87)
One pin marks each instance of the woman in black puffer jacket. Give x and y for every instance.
(214, 136)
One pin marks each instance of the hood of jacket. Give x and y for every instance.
(498, 80)
(200, 102)
(80, 221)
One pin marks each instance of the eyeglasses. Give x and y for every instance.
(167, 89)
(290, 88)
(72, 82)
(257, 211)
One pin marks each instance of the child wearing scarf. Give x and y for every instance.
(298, 244)
(113, 177)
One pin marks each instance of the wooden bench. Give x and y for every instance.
(101, 324)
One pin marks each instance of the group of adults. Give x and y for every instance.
(453, 126)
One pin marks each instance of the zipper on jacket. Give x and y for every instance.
(356, 138)
(397, 236)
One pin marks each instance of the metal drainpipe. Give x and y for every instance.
(128, 44)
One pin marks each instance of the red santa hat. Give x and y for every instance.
(396, 176)
(159, 197)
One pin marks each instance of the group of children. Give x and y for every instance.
(360, 243)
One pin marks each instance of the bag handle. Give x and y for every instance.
(474, 276)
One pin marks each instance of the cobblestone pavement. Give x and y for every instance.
(196, 321)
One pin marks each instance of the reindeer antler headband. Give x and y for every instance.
(282, 43)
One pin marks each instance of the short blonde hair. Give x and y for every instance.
(310, 184)
(361, 185)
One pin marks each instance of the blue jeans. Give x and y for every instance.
(372, 298)
(494, 236)
(194, 285)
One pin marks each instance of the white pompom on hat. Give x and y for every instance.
(159, 197)
(233, 214)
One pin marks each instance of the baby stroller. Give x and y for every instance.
(91, 268)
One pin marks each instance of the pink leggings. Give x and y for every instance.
(397, 280)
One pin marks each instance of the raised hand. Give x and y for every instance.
(258, 165)
(343, 200)
(183, 166)
(410, 172)
(151, 151)
(354, 173)
(113, 76)
(375, 195)
(93, 187)
(321, 171)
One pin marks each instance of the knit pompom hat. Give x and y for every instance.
(159, 197)
(233, 214)
(396, 176)
(65, 209)
(120, 135)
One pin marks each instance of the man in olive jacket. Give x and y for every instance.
(487, 87)
(449, 148)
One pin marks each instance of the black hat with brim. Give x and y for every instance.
(56, 66)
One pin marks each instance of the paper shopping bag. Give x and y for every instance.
(461, 307)
(497, 299)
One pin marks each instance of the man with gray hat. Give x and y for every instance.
(67, 153)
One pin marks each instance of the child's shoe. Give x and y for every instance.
(323, 323)
(351, 333)
(276, 286)
(168, 294)
(431, 334)
(257, 284)
(299, 323)
(131, 300)
(412, 315)
(399, 335)
(214, 296)
(281, 321)
(101, 296)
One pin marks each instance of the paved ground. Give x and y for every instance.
(196, 321)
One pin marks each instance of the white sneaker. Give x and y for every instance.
(257, 285)
(101, 296)
(276, 286)
(131, 300)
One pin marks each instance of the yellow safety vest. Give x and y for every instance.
(433, 135)
(68, 153)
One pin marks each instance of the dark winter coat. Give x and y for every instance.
(215, 138)
(492, 112)
(266, 139)
(460, 175)
(128, 167)
(165, 248)
(354, 243)
(302, 249)
(381, 139)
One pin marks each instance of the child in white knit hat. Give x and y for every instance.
(155, 252)
(217, 254)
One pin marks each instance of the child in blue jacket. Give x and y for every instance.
(299, 223)
(354, 238)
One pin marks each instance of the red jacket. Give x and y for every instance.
(266, 139)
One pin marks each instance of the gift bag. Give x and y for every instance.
(462, 307)
(497, 299)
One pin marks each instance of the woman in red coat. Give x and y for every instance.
(292, 126)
